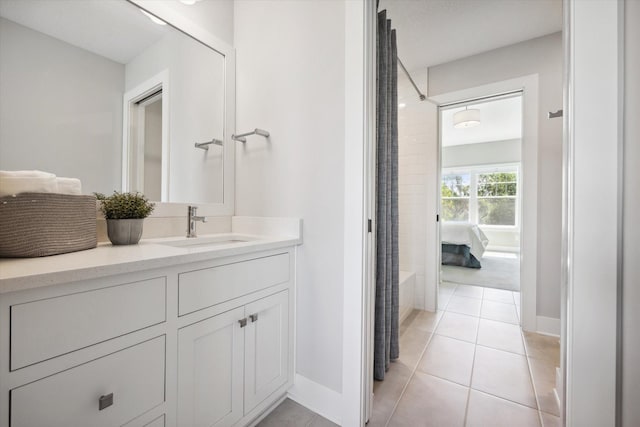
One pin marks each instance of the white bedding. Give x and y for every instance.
(464, 233)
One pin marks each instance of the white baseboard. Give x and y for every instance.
(318, 398)
(511, 249)
(548, 326)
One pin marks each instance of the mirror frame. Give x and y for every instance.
(169, 14)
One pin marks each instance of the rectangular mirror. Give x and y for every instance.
(107, 92)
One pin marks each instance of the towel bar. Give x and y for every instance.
(205, 145)
(256, 131)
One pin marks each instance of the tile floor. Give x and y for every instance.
(292, 414)
(466, 365)
(469, 365)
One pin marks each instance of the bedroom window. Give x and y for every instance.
(484, 196)
(455, 197)
(497, 194)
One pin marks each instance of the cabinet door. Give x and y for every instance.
(266, 348)
(210, 364)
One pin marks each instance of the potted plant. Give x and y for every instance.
(125, 214)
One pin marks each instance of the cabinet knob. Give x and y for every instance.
(105, 401)
(254, 317)
(243, 322)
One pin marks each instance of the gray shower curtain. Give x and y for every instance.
(387, 262)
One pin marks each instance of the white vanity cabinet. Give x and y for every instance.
(230, 363)
(90, 353)
(202, 343)
(266, 341)
(210, 371)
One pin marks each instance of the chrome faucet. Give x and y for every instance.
(192, 218)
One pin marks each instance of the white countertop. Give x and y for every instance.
(107, 260)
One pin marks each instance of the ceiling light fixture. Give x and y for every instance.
(466, 118)
(153, 18)
(189, 2)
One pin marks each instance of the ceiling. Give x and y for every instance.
(114, 29)
(432, 32)
(500, 120)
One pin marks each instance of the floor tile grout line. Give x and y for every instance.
(473, 365)
(501, 349)
(413, 372)
(312, 420)
(505, 399)
(533, 384)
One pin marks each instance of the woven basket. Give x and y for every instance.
(42, 224)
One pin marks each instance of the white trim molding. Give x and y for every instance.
(594, 129)
(548, 326)
(320, 399)
(357, 370)
(529, 182)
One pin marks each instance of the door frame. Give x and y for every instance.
(158, 82)
(359, 209)
(529, 179)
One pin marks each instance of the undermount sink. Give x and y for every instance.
(206, 241)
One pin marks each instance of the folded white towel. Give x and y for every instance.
(26, 174)
(15, 182)
(69, 186)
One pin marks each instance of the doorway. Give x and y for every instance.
(145, 140)
(146, 145)
(481, 201)
(428, 367)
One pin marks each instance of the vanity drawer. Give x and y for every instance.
(203, 288)
(134, 377)
(51, 327)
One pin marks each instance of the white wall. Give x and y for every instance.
(75, 97)
(631, 233)
(196, 113)
(417, 186)
(290, 81)
(486, 153)
(542, 56)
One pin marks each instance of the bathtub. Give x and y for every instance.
(407, 293)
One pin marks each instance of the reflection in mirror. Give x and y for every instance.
(144, 146)
(96, 90)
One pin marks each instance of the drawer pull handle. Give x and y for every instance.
(254, 317)
(243, 322)
(105, 401)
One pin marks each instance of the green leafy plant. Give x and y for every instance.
(125, 205)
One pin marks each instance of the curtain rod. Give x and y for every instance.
(501, 95)
(421, 95)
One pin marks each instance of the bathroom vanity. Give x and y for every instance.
(170, 332)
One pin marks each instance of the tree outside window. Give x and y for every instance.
(455, 197)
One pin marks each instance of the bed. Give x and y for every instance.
(463, 244)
